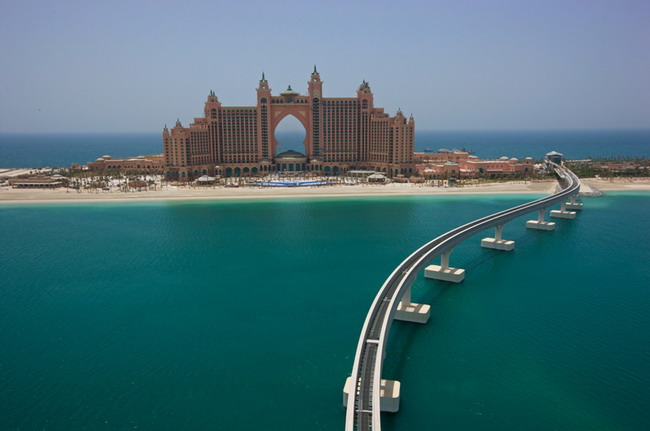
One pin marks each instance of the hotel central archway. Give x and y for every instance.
(289, 133)
(300, 113)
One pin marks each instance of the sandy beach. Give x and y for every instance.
(10, 195)
(618, 184)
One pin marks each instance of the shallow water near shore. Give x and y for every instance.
(245, 315)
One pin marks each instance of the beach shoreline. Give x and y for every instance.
(17, 196)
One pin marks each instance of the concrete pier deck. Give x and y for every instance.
(540, 225)
(437, 272)
(498, 244)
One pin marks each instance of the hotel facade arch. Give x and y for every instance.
(300, 113)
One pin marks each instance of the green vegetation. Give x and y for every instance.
(609, 168)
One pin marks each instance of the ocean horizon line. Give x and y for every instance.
(451, 130)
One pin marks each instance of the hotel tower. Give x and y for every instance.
(342, 134)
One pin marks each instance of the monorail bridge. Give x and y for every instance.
(365, 393)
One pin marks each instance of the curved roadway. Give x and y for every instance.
(363, 408)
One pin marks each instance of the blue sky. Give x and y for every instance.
(128, 66)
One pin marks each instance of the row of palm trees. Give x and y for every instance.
(109, 179)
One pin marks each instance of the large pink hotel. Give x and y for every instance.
(342, 133)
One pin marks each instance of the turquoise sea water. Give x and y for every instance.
(245, 315)
(61, 149)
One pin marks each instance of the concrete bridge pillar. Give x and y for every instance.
(573, 204)
(408, 311)
(443, 271)
(498, 232)
(497, 243)
(563, 213)
(444, 260)
(540, 224)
